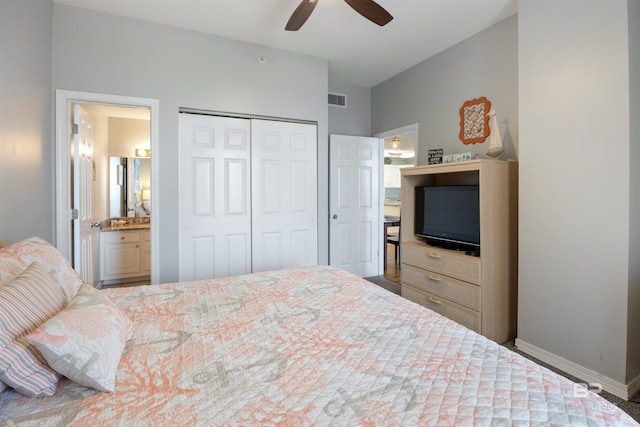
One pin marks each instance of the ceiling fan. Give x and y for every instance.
(367, 8)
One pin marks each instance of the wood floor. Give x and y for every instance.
(392, 272)
(391, 278)
(125, 284)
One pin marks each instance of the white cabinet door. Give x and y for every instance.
(284, 195)
(392, 176)
(215, 209)
(120, 254)
(122, 260)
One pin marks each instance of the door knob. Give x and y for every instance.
(334, 216)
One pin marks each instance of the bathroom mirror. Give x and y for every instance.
(129, 186)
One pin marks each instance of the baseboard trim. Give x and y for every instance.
(633, 387)
(623, 391)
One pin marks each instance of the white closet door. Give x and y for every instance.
(215, 208)
(284, 188)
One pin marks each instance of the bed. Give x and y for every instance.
(303, 346)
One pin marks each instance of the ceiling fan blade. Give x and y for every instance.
(371, 10)
(300, 15)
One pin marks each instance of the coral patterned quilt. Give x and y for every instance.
(307, 346)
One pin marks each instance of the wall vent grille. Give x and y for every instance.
(337, 100)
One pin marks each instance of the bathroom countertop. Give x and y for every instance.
(124, 227)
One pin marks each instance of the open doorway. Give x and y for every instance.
(119, 127)
(400, 147)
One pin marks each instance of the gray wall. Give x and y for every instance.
(355, 119)
(633, 337)
(432, 92)
(575, 182)
(26, 147)
(96, 52)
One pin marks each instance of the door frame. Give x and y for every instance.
(64, 100)
(411, 128)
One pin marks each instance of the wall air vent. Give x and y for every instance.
(338, 100)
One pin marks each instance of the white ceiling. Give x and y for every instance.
(358, 51)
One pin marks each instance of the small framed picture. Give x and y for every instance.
(435, 156)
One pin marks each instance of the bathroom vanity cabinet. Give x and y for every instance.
(124, 254)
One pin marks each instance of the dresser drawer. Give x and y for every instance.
(122, 236)
(452, 289)
(455, 312)
(449, 263)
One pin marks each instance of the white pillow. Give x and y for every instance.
(84, 342)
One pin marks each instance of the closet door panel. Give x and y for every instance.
(271, 245)
(300, 241)
(298, 187)
(236, 187)
(270, 191)
(238, 261)
(201, 177)
(214, 209)
(284, 173)
(204, 256)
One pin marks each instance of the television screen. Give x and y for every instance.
(449, 214)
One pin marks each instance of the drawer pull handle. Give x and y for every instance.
(435, 278)
(122, 238)
(435, 256)
(435, 300)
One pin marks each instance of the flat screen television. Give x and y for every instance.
(449, 215)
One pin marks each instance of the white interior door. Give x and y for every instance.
(354, 204)
(284, 187)
(215, 208)
(84, 234)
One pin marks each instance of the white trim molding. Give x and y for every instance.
(584, 374)
(64, 100)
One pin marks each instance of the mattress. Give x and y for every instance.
(307, 346)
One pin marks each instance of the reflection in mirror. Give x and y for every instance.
(129, 186)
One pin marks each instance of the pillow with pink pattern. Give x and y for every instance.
(14, 259)
(84, 342)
